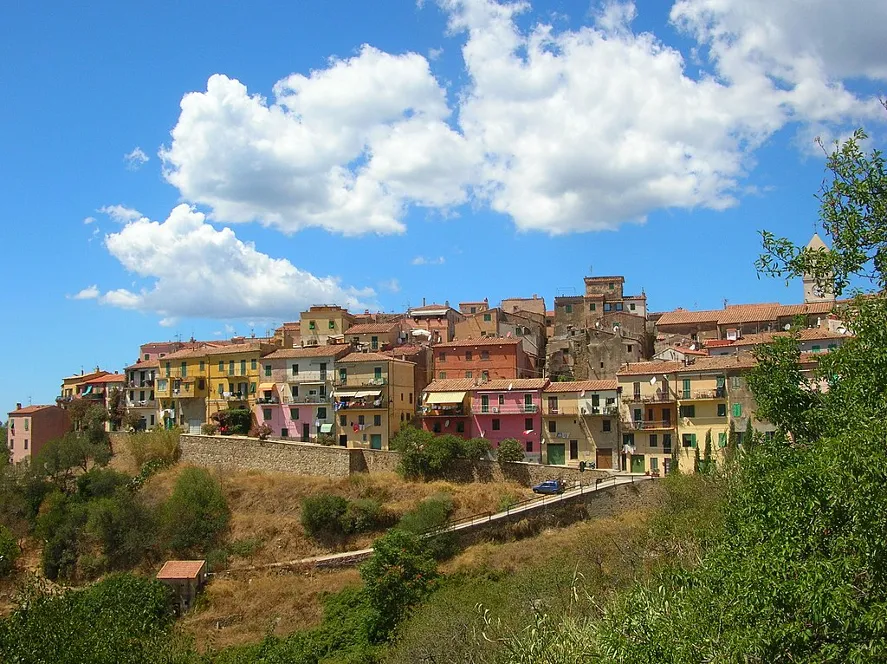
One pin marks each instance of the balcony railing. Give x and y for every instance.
(700, 421)
(361, 405)
(649, 398)
(268, 401)
(148, 382)
(444, 412)
(643, 425)
(307, 400)
(700, 395)
(356, 381)
(508, 409)
(141, 403)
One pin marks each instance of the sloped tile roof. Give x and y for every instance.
(719, 363)
(514, 384)
(806, 334)
(334, 350)
(649, 368)
(144, 364)
(109, 378)
(370, 328)
(451, 385)
(371, 357)
(582, 385)
(29, 410)
(180, 569)
(480, 341)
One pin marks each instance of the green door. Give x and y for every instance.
(637, 463)
(556, 454)
(375, 441)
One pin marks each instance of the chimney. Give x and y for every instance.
(446, 303)
(18, 406)
(423, 301)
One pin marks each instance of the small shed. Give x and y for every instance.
(186, 578)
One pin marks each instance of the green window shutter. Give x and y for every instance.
(252, 388)
(221, 365)
(692, 440)
(722, 439)
(737, 410)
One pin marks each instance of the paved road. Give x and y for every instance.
(351, 557)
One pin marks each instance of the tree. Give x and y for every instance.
(322, 514)
(196, 514)
(9, 551)
(400, 574)
(510, 450)
(707, 461)
(675, 458)
(60, 458)
(116, 408)
(476, 449)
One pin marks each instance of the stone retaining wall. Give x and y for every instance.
(333, 461)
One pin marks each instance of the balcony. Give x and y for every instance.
(702, 395)
(143, 403)
(268, 401)
(649, 425)
(361, 405)
(703, 421)
(508, 409)
(295, 401)
(459, 411)
(357, 381)
(63, 399)
(135, 384)
(649, 398)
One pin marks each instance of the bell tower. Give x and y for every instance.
(812, 292)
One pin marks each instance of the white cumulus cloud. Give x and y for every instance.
(422, 260)
(135, 159)
(89, 220)
(197, 270)
(121, 214)
(88, 293)
(345, 148)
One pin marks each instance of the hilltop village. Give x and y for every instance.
(599, 380)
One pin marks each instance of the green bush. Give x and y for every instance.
(510, 450)
(322, 514)
(158, 445)
(476, 449)
(429, 515)
(196, 514)
(9, 551)
(364, 515)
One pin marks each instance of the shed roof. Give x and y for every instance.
(583, 386)
(181, 569)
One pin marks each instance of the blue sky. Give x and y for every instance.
(207, 168)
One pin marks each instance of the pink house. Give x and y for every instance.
(508, 408)
(446, 407)
(31, 427)
(294, 397)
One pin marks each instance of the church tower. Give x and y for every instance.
(813, 293)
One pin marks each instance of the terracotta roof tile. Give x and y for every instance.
(684, 317)
(85, 377)
(806, 334)
(180, 569)
(514, 384)
(430, 307)
(109, 378)
(747, 313)
(406, 349)
(719, 363)
(802, 309)
(144, 364)
(718, 343)
(335, 350)
(185, 353)
(230, 349)
(481, 341)
(583, 385)
(371, 357)
(452, 385)
(649, 368)
(29, 410)
(369, 328)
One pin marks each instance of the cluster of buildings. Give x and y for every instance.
(597, 379)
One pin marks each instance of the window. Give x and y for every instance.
(141, 398)
(722, 410)
(737, 410)
(311, 325)
(442, 375)
(411, 397)
(618, 306)
(832, 346)
(184, 369)
(666, 443)
(722, 439)
(221, 366)
(152, 420)
(688, 439)
(343, 420)
(473, 310)
(592, 307)
(687, 411)
(610, 285)
(501, 399)
(460, 427)
(321, 413)
(631, 306)
(266, 413)
(568, 308)
(27, 423)
(485, 355)
(147, 357)
(252, 364)
(468, 374)
(816, 348)
(628, 439)
(485, 375)
(686, 388)
(295, 370)
(343, 374)
(496, 424)
(607, 306)
(202, 366)
(468, 355)
(374, 343)
(26, 443)
(529, 446)
(442, 357)
(574, 449)
(284, 433)
(377, 373)
(636, 390)
(628, 347)
(377, 420)
(231, 368)
(488, 318)
(332, 325)
(606, 425)
(654, 440)
(268, 370)
(294, 413)
(435, 427)
(295, 391)
(735, 382)
(167, 368)
(528, 424)
(221, 388)
(552, 426)
(243, 367)
(361, 420)
(252, 388)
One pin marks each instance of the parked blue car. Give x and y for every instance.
(550, 487)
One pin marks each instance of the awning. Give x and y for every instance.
(267, 386)
(88, 390)
(347, 394)
(368, 393)
(445, 397)
(326, 428)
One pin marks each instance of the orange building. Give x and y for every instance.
(481, 359)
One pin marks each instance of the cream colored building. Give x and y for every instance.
(580, 422)
(373, 399)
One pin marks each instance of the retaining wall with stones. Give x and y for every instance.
(333, 461)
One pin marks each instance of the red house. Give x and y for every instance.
(482, 359)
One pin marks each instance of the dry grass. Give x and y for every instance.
(243, 609)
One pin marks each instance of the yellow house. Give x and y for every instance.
(324, 324)
(583, 417)
(234, 375)
(373, 399)
(182, 387)
(376, 336)
(648, 408)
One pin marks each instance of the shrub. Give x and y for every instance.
(322, 514)
(429, 515)
(210, 429)
(364, 515)
(261, 432)
(475, 449)
(510, 450)
(326, 439)
(157, 444)
(196, 514)
(9, 551)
